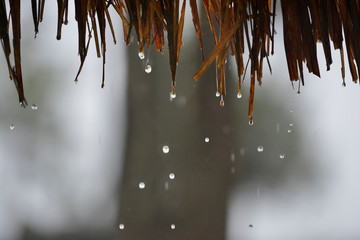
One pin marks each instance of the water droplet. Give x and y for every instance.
(222, 103)
(121, 226)
(233, 170)
(239, 95)
(172, 226)
(12, 126)
(242, 151)
(76, 81)
(217, 94)
(251, 226)
(166, 185)
(277, 127)
(182, 101)
(289, 130)
(282, 155)
(172, 176)
(232, 157)
(141, 185)
(251, 122)
(166, 149)
(344, 84)
(207, 139)
(34, 107)
(260, 148)
(291, 124)
(148, 69)
(172, 95)
(141, 55)
(291, 110)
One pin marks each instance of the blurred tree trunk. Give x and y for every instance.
(195, 201)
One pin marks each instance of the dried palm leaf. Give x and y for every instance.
(242, 24)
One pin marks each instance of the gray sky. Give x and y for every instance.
(325, 115)
(60, 165)
(77, 132)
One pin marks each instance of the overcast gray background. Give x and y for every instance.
(60, 165)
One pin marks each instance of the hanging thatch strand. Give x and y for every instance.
(14, 71)
(242, 24)
(233, 18)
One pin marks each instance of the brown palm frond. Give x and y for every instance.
(15, 72)
(242, 24)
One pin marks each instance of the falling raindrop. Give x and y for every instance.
(277, 127)
(141, 185)
(289, 130)
(166, 185)
(233, 170)
(121, 226)
(242, 151)
(260, 148)
(217, 94)
(182, 101)
(291, 124)
(172, 176)
(172, 226)
(148, 69)
(291, 110)
(239, 95)
(12, 126)
(166, 149)
(232, 157)
(282, 155)
(207, 139)
(34, 107)
(141, 55)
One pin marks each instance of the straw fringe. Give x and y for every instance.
(242, 23)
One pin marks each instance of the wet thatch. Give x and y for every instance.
(241, 23)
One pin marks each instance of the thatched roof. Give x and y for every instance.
(242, 24)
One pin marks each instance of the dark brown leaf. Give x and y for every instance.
(16, 71)
(217, 50)
(196, 21)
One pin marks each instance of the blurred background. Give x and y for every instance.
(129, 162)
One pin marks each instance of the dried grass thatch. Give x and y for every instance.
(241, 23)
